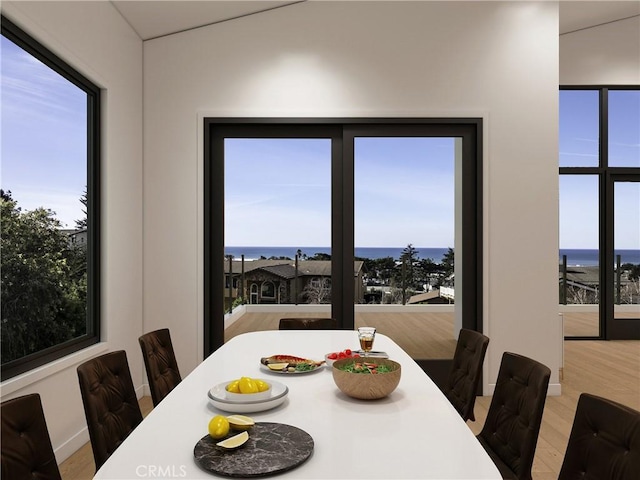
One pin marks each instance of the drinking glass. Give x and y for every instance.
(366, 336)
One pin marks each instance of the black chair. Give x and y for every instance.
(510, 432)
(462, 384)
(604, 442)
(308, 324)
(26, 446)
(110, 403)
(160, 362)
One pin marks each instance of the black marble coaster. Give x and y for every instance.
(272, 448)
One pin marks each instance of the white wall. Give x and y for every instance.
(94, 39)
(381, 59)
(604, 55)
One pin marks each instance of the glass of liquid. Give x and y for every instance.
(366, 335)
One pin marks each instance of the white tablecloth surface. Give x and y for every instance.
(413, 434)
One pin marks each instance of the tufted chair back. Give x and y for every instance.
(604, 442)
(308, 324)
(160, 363)
(510, 432)
(462, 385)
(26, 446)
(110, 403)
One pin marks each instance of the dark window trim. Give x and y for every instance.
(338, 129)
(610, 329)
(18, 36)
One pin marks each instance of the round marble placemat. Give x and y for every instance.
(272, 448)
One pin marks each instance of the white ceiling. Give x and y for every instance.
(577, 15)
(152, 19)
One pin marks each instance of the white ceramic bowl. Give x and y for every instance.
(328, 361)
(248, 397)
(218, 399)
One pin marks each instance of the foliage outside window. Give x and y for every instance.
(48, 219)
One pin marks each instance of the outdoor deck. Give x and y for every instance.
(421, 335)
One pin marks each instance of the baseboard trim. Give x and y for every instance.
(72, 445)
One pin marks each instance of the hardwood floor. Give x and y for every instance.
(80, 465)
(609, 369)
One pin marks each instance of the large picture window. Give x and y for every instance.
(49, 198)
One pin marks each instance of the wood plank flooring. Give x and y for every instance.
(610, 369)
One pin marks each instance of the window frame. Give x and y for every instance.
(92, 336)
(341, 132)
(609, 327)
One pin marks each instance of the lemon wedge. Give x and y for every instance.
(277, 366)
(235, 441)
(240, 422)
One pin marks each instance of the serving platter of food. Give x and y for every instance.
(289, 365)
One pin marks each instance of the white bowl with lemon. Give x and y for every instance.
(220, 398)
(247, 389)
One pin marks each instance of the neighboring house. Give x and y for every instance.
(277, 281)
(581, 277)
(437, 296)
(583, 285)
(76, 237)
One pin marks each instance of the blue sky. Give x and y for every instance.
(578, 147)
(278, 192)
(43, 136)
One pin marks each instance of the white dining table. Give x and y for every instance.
(414, 433)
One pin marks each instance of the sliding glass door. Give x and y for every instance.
(599, 211)
(302, 197)
(405, 212)
(277, 221)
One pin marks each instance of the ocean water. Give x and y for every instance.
(251, 253)
(583, 257)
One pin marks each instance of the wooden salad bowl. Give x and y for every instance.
(366, 386)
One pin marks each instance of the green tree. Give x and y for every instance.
(426, 269)
(82, 222)
(43, 284)
(406, 271)
(447, 268)
(320, 256)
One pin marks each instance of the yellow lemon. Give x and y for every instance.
(235, 441)
(277, 366)
(218, 427)
(247, 385)
(234, 387)
(240, 422)
(262, 385)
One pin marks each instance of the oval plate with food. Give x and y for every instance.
(289, 364)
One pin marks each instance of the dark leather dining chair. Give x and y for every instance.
(308, 324)
(462, 384)
(511, 429)
(160, 363)
(26, 446)
(604, 442)
(110, 403)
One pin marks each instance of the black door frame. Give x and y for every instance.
(621, 328)
(342, 131)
